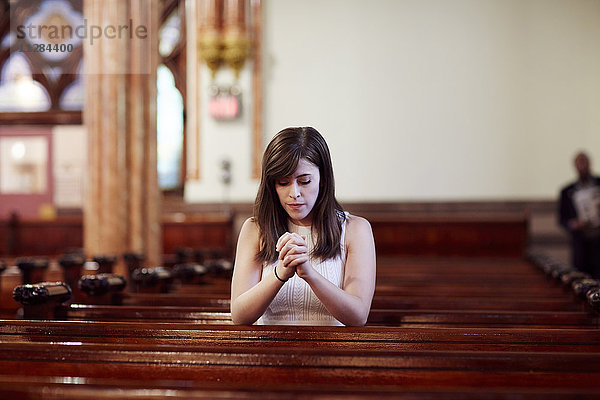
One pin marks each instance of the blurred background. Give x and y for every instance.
(440, 108)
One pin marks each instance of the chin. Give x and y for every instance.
(297, 216)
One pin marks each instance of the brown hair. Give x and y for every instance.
(280, 160)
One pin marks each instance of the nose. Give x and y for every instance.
(294, 190)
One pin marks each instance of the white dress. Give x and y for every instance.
(296, 303)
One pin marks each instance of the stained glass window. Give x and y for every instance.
(52, 84)
(169, 130)
(18, 90)
(35, 81)
(73, 97)
(171, 96)
(169, 34)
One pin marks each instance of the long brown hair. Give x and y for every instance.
(280, 160)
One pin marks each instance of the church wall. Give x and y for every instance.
(424, 100)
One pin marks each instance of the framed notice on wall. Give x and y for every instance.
(26, 186)
(23, 164)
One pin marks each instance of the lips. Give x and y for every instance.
(295, 206)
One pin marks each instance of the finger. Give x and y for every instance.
(278, 244)
(288, 249)
(282, 240)
(285, 250)
(291, 257)
(297, 261)
(299, 238)
(296, 239)
(288, 258)
(292, 248)
(281, 243)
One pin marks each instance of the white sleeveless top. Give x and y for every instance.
(296, 303)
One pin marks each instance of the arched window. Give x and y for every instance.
(34, 84)
(48, 87)
(73, 97)
(18, 90)
(171, 97)
(169, 130)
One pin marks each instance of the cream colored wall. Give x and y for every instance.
(209, 141)
(70, 158)
(427, 99)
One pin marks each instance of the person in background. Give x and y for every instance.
(579, 215)
(302, 260)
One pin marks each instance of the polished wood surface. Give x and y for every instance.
(450, 234)
(123, 388)
(393, 317)
(22, 236)
(395, 235)
(56, 117)
(439, 328)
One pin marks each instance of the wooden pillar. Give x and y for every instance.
(122, 198)
(257, 88)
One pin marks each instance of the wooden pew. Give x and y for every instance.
(383, 335)
(373, 367)
(462, 361)
(388, 301)
(69, 388)
(191, 335)
(391, 314)
(23, 235)
(464, 344)
(478, 316)
(391, 317)
(379, 366)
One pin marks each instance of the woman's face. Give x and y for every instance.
(299, 191)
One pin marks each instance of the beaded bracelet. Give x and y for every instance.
(277, 276)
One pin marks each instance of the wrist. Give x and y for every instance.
(279, 278)
(306, 272)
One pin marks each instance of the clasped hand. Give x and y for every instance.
(293, 256)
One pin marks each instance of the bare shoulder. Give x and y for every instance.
(358, 225)
(249, 227)
(358, 229)
(249, 233)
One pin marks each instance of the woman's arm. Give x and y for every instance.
(351, 304)
(250, 296)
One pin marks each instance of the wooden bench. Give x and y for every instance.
(390, 317)
(61, 388)
(371, 367)
(385, 364)
(434, 358)
(189, 334)
(388, 301)
(22, 236)
(388, 312)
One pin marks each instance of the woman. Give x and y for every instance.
(301, 260)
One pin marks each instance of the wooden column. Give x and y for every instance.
(122, 198)
(193, 90)
(257, 88)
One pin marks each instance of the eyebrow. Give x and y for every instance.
(299, 176)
